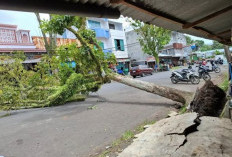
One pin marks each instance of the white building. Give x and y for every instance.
(112, 36)
(173, 52)
(135, 51)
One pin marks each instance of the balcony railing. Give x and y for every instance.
(102, 33)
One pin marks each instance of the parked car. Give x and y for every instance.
(140, 70)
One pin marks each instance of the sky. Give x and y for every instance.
(24, 20)
(28, 21)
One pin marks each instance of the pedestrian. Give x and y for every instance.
(204, 62)
(156, 68)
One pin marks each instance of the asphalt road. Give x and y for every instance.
(72, 130)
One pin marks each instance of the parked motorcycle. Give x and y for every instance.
(203, 73)
(215, 67)
(219, 61)
(186, 75)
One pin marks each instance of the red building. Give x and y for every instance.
(12, 39)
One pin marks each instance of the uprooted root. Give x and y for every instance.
(209, 100)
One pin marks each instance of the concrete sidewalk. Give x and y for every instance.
(183, 136)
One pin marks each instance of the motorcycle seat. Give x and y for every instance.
(181, 72)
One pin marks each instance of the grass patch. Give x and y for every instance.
(225, 84)
(103, 154)
(175, 68)
(183, 109)
(125, 139)
(127, 135)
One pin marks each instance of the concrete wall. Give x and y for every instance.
(177, 37)
(118, 34)
(135, 51)
(103, 22)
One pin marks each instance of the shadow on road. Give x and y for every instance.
(139, 103)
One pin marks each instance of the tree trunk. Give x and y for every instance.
(167, 92)
(52, 41)
(46, 44)
(227, 53)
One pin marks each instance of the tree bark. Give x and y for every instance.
(167, 92)
(227, 53)
(46, 44)
(52, 41)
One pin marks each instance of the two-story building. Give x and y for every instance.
(135, 51)
(112, 36)
(113, 40)
(173, 53)
(176, 51)
(12, 39)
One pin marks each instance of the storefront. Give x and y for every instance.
(151, 62)
(123, 64)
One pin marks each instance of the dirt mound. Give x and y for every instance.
(208, 100)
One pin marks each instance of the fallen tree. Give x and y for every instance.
(90, 61)
(87, 39)
(167, 92)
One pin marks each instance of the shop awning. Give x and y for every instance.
(123, 60)
(151, 59)
(30, 61)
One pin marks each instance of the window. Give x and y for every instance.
(111, 26)
(164, 52)
(119, 44)
(101, 45)
(94, 24)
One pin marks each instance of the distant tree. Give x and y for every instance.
(151, 38)
(199, 43)
(217, 45)
(217, 52)
(50, 45)
(189, 40)
(206, 47)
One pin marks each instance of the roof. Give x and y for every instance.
(32, 61)
(164, 55)
(7, 25)
(209, 18)
(40, 46)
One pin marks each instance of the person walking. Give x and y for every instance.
(156, 68)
